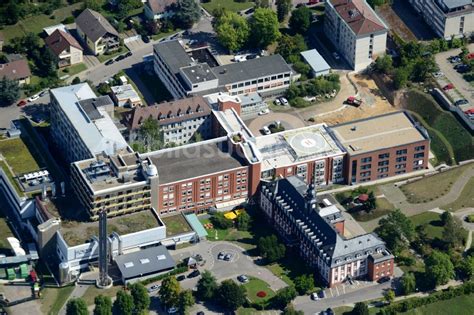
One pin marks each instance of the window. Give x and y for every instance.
(420, 148)
(366, 167)
(366, 160)
(401, 159)
(384, 156)
(419, 155)
(382, 169)
(384, 163)
(401, 152)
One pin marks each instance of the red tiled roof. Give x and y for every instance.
(59, 41)
(358, 15)
(15, 70)
(197, 107)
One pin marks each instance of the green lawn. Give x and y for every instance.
(230, 5)
(53, 299)
(231, 234)
(36, 23)
(72, 70)
(7, 171)
(434, 228)
(176, 224)
(18, 156)
(383, 207)
(289, 268)
(155, 87)
(93, 291)
(433, 116)
(256, 285)
(4, 228)
(459, 305)
(433, 187)
(465, 200)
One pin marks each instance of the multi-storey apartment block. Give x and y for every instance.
(447, 18)
(184, 76)
(382, 146)
(178, 120)
(291, 207)
(81, 125)
(356, 31)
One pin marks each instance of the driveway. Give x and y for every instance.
(447, 68)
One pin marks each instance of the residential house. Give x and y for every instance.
(65, 47)
(159, 9)
(357, 32)
(16, 69)
(447, 18)
(96, 32)
(125, 95)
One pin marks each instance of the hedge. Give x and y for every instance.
(176, 271)
(412, 303)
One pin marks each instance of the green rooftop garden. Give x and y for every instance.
(18, 156)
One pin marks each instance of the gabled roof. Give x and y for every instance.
(94, 24)
(160, 6)
(359, 16)
(15, 70)
(59, 41)
(179, 110)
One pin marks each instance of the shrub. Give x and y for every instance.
(68, 20)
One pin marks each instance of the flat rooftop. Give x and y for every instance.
(198, 73)
(315, 60)
(194, 160)
(173, 54)
(375, 133)
(298, 145)
(18, 156)
(76, 233)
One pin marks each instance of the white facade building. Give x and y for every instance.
(447, 18)
(356, 31)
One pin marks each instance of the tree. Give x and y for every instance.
(124, 7)
(304, 283)
(103, 305)
(360, 308)
(452, 231)
(197, 137)
(375, 3)
(290, 310)
(400, 78)
(9, 91)
(389, 296)
(186, 300)
(270, 248)
(283, 8)
(141, 299)
(76, 306)
(231, 295)
(76, 80)
(466, 268)
(439, 268)
(396, 230)
(150, 134)
(283, 297)
(265, 27)
(187, 13)
(94, 4)
(384, 64)
(206, 286)
(262, 3)
(220, 221)
(232, 30)
(243, 221)
(300, 20)
(291, 46)
(169, 291)
(123, 304)
(408, 282)
(371, 202)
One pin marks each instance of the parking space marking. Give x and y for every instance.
(337, 291)
(330, 290)
(343, 289)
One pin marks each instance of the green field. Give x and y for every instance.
(72, 70)
(433, 187)
(434, 227)
(230, 5)
(459, 305)
(53, 299)
(36, 23)
(176, 224)
(231, 234)
(256, 285)
(465, 200)
(93, 291)
(457, 138)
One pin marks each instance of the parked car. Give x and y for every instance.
(438, 74)
(314, 296)
(194, 274)
(383, 279)
(220, 255)
(263, 112)
(459, 65)
(454, 59)
(109, 62)
(180, 277)
(449, 86)
(322, 294)
(243, 278)
(172, 310)
(43, 93)
(310, 98)
(252, 56)
(154, 288)
(277, 102)
(239, 58)
(463, 69)
(145, 39)
(121, 57)
(21, 103)
(336, 55)
(461, 102)
(250, 11)
(200, 313)
(33, 98)
(283, 101)
(228, 257)
(266, 131)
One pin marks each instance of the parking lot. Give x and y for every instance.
(464, 89)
